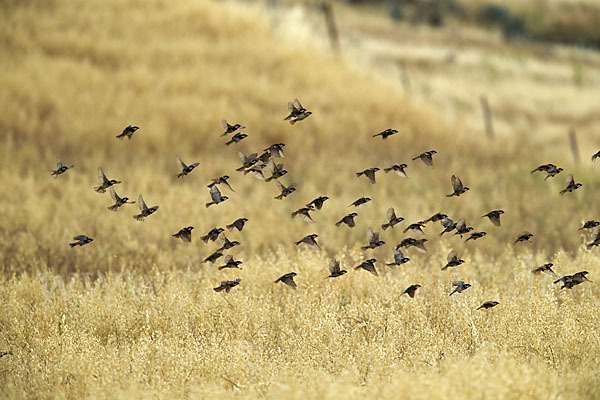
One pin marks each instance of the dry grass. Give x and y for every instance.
(133, 314)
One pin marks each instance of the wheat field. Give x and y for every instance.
(133, 314)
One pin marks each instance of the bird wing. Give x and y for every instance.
(141, 204)
(280, 186)
(288, 280)
(427, 159)
(371, 236)
(228, 258)
(297, 105)
(181, 164)
(80, 237)
(447, 222)
(224, 124)
(458, 283)
(215, 194)
(495, 218)
(452, 256)
(461, 224)
(570, 180)
(334, 266)
(101, 177)
(59, 163)
(114, 194)
(456, 183)
(272, 166)
(242, 156)
(398, 256)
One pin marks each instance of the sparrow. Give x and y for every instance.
(128, 131)
(310, 240)
(369, 173)
(476, 235)
(457, 186)
(453, 260)
(596, 240)
(227, 285)
(417, 227)
(318, 202)
(460, 287)
(238, 137)
(398, 169)
(462, 228)
(247, 161)
(237, 224)
(546, 268)
(119, 201)
(488, 304)
(227, 244)
(230, 128)
(494, 216)
(596, 155)
(60, 168)
(215, 195)
(213, 235)
(213, 257)
(81, 240)
(297, 112)
(384, 135)
(399, 258)
(360, 202)
(418, 244)
(436, 217)
(230, 263)
(411, 290)
(569, 281)
(285, 191)
(449, 225)
(550, 170)
(523, 237)
(426, 157)
(589, 225)
(276, 150)
(571, 185)
(144, 210)
(221, 180)
(304, 213)
(334, 269)
(348, 220)
(105, 183)
(185, 169)
(277, 171)
(185, 234)
(392, 219)
(368, 265)
(373, 239)
(288, 279)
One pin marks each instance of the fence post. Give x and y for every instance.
(487, 116)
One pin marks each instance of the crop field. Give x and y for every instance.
(133, 314)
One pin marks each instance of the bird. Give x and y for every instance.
(237, 224)
(128, 131)
(297, 112)
(453, 260)
(247, 161)
(399, 258)
(227, 244)
(569, 281)
(144, 210)
(230, 263)
(285, 191)
(348, 220)
(460, 287)
(119, 201)
(596, 240)
(310, 240)
(369, 173)
(449, 225)
(589, 225)
(227, 285)
(373, 239)
(595, 155)
(411, 290)
(392, 219)
(213, 257)
(276, 150)
(277, 170)
(418, 244)
(398, 169)
(385, 134)
(436, 217)
(523, 237)
(368, 265)
(546, 268)
(185, 169)
(476, 235)
(185, 234)
(318, 202)
(238, 137)
(212, 235)
(550, 170)
(230, 128)
(60, 168)
(571, 185)
(457, 186)
(81, 240)
(417, 227)
(334, 269)
(488, 304)
(215, 195)
(462, 228)
(304, 213)
(288, 279)
(105, 183)
(426, 157)
(221, 180)
(494, 216)
(360, 202)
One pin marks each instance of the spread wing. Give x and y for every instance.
(452, 256)
(456, 183)
(80, 237)
(447, 222)
(461, 224)
(334, 266)
(59, 163)
(228, 258)
(371, 236)
(391, 214)
(224, 124)
(280, 186)
(242, 156)
(458, 283)
(272, 166)
(181, 164)
(297, 105)
(570, 181)
(215, 194)
(114, 194)
(427, 159)
(141, 204)
(101, 177)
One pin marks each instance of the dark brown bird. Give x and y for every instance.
(304, 213)
(60, 168)
(144, 210)
(426, 157)
(399, 258)
(128, 131)
(185, 169)
(237, 224)
(119, 201)
(221, 180)
(550, 170)
(569, 281)
(385, 134)
(595, 155)
(348, 220)
(476, 235)
(589, 225)
(247, 161)
(238, 137)
(277, 170)
(595, 242)
(215, 195)
(105, 183)
(417, 227)
(398, 169)
(81, 240)
(417, 244)
(368, 265)
(453, 260)
(310, 240)
(460, 287)
(546, 268)
(230, 263)
(359, 202)
(571, 185)
(392, 219)
(297, 112)
(369, 173)
(488, 304)
(457, 186)
(494, 216)
(334, 269)
(318, 202)
(213, 257)
(185, 234)
(436, 217)
(230, 128)
(213, 235)
(523, 237)
(373, 239)
(285, 191)
(411, 290)
(288, 279)
(227, 285)
(276, 150)
(227, 244)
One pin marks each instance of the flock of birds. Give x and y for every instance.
(260, 165)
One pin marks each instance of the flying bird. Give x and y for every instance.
(285, 191)
(398, 169)
(277, 170)
(212, 235)
(238, 137)
(457, 186)
(213, 257)
(297, 112)
(276, 150)
(185, 169)
(546, 268)
(571, 185)
(288, 279)
(119, 201)
(476, 235)
(128, 131)
(215, 195)
(550, 170)
(60, 168)
(589, 225)
(449, 225)
(417, 244)
(368, 265)
(227, 285)
(221, 180)
(411, 290)
(369, 173)
(237, 224)
(385, 134)
(334, 269)
(227, 244)
(399, 258)
(310, 240)
(230, 263)
(488, 304)
(144, 210)
(360, 202)
(318, 202)
(426, 157)
(185, 234)
(523, 237)
(373, 239)
(392, 219)
(453, 260)
(81, 240)
(230, 128)
(304, 213)
(460, 287)
(569, 281)
(494, 216)
(436, 217)
(348, 220)
(105, 183)
(417, 228)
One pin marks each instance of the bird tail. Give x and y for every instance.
(113, 207)
(386, 170)
(73, 244)
(210, 204)
(293, 121)
(139, 217)
(230, 227)
(479, 307)
(359, 174)
(279, 197)
(54, 174)
(99, 189)
(562, 192)
(218, 289)
(363, 248)
(385, 226)
(120, 137)
(228, 143)
(533, 170)
(338, 223)
(294, 214)
(181, 175)
(454, 291)
(450, 195)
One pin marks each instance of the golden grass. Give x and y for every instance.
(132, 315)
